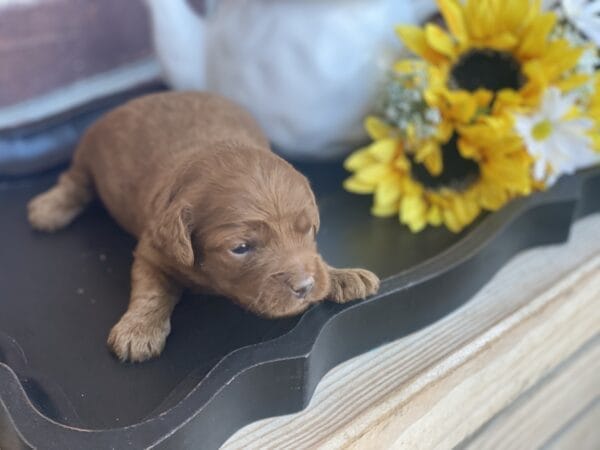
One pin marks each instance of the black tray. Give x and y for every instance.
(222, 367)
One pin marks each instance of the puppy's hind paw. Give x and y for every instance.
(51, 211)
(352, 284)
(136, 341)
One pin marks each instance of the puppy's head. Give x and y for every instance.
(247, 230)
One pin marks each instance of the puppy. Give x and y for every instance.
(192, 177)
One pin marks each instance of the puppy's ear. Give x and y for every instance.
(171, 233)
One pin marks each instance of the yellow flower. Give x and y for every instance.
(500, 47)
(448, 146)
(476, 174)
(430, 155)
(373, 163)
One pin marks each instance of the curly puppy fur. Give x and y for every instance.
(192, 176)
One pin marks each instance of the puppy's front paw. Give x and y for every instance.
(352, 284)
(132, 339)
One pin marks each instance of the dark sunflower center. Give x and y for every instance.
(489, 69)
(458, 174)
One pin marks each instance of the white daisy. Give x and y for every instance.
(558, 144)
(585, 15)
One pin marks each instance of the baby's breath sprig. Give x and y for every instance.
(403, 106)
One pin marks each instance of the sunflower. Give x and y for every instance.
(473, 178)
(457, 130)
(498, 54)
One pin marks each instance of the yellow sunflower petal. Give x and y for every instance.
(402, 163)
(451, 221)
(506, 99)
(537, 83)
(461, 211)
(483, 97)
(357, 186)
(384, 150)
(439, 40)
(430, 154)
(487, 130)
(463, 105)
(432, 97)
(486, 18)
(473, 23)
(434, 216)
(492, 197)
(511, 172)
(414, 39)
(359, 159)
(559, 58)
(502, 41)
(535, 39)
(389, 190)
(373, 174)
(468, 149)
(533, 70)
(377, 128)
(474, 133)
(385, 210)
(411, 187)
(514, 12)
(413, 212)
(454, 18)
(444, 131)
(424, 150)
(434, 163)
(573, 82)
(468, 206)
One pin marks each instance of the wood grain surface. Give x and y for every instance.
(545, 415)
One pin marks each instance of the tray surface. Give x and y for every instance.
(61, 293)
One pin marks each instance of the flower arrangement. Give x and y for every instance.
(499, 105)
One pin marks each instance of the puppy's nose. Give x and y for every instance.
(302, 289)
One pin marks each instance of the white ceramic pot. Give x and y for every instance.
(307, 69)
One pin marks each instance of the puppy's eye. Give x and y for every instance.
(241, 249)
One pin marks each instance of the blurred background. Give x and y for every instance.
(57, 58)
(72, 50)
(307, 70)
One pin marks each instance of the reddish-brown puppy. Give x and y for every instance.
(193, 178)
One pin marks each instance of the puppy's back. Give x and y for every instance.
(140, 145)
(170, 122)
